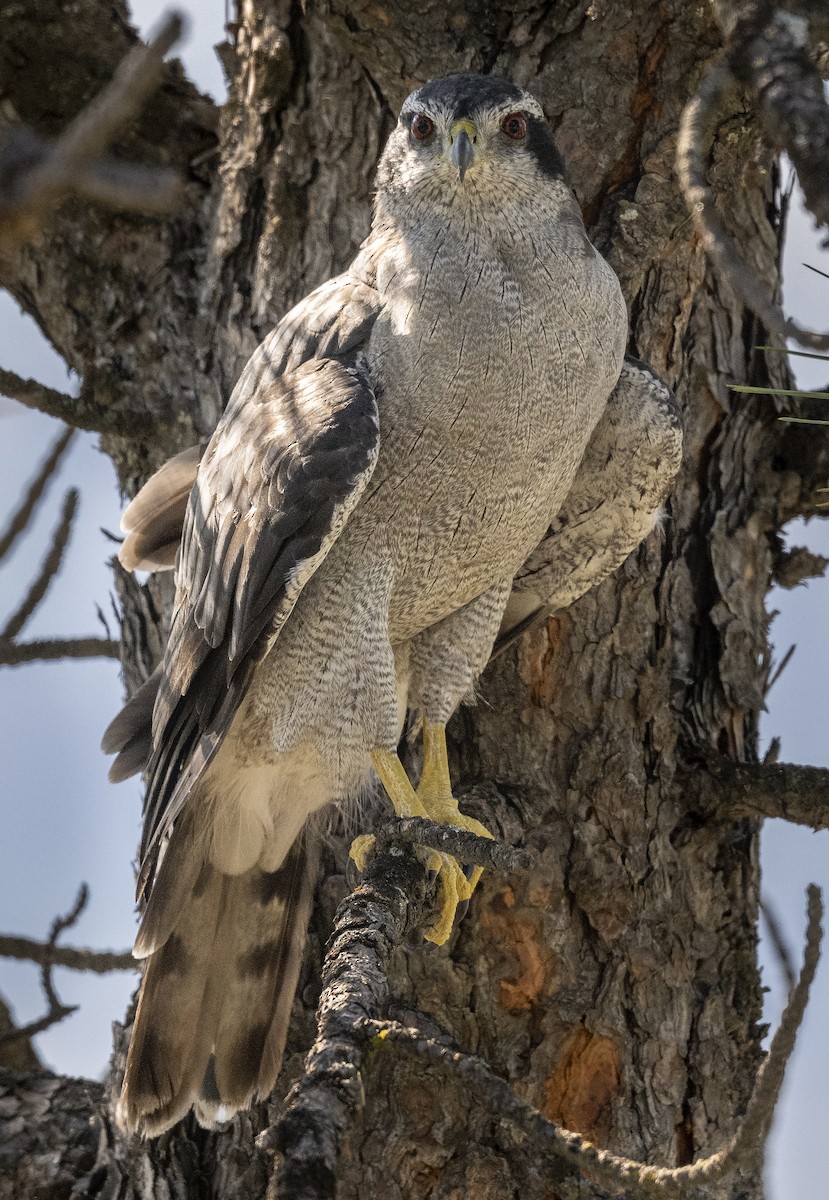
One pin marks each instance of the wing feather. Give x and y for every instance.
(278, 480)
(334, 321)
(627, 471)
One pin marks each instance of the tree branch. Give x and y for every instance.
(467, 847)
(18, 1055)
(99, 962)
(48, 570)
(785, 790)
(47, 957)
(20, 520)
(34, 176)
(768, 50)
(81, 412)
(370, 923)
(779, 943)
(321, 1105)
(13, 654)
(696, 134)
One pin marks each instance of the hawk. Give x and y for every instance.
(435, 446)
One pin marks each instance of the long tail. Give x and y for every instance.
(222, 968)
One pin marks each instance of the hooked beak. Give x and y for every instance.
(462, 154)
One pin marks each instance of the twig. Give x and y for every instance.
(696, 134)
(82, 412)
(48, 571)
(37, 487)
(13, 654)
(35, 175)
(781, 666)
(99, 962)
(779, 943)
(754, 1126)
(95, 126)
(785, 790)
(521, 1124)
(57, 1011)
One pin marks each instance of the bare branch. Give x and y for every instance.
(768, 50)
(791, 568)
(35, 175)
(94, 128)
(82, 411)
(14, 654)
(57, 1011)
(754, 1126)
(99, 962)
(48, 571)
(375, 918)
(785, 790)
(696, 134)
(20, 520)
(18, 1055)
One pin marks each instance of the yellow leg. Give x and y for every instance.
(454, 886)
(401, 793)
(435, 793)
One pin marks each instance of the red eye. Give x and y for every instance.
(514, 126)
(422, 127)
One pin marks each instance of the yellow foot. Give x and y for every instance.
(435, 794)
(361, 849)
(454, 886)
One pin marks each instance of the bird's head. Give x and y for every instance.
(470, 139)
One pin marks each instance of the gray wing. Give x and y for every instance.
(280, 476)
(627, 471)
(334, 321)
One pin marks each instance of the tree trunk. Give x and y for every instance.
(615, 985)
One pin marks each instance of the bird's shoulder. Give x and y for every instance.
(333, 321)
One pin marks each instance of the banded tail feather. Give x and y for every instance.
(223, 955)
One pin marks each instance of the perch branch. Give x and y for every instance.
(370, 923)
(20, 519)
(461, 844)
(785, 790)
(13, 654)
(696, 134)
(57, 1011)
(48, 571)
(34, 175)
(520, 1123)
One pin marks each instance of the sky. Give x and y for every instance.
(64, 823)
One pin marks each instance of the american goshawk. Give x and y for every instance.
(435, 445)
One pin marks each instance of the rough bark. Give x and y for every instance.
(615, 985)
